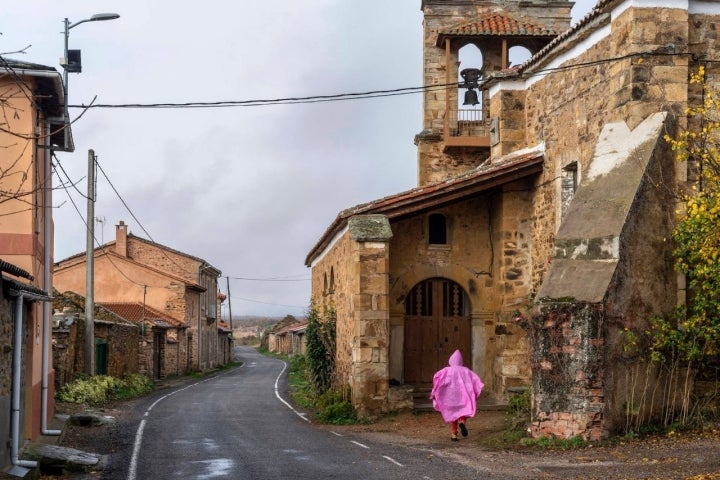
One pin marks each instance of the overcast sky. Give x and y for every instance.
(249, 189)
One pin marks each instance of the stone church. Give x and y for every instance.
(539, 228)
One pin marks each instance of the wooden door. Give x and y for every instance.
(437, 322)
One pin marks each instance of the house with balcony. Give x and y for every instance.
(181, 287)
(537, 232)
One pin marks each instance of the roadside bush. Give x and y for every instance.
(134, 385)
(100, 389)
(301, 389)
(333, 407)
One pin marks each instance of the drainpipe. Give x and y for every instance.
(47, 330)
(16, 381)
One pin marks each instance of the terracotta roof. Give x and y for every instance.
(136, 312)
(489, 175)
(293, 327)
(223, 327)
(495, 25)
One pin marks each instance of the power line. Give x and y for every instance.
(271, 279)
(662, 51)
(274, 101)
(268, 303)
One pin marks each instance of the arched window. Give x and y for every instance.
(332, 279)
(518, 55)
(325, 284)
(437, 229)
(469, 57)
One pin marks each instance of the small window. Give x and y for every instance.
(332, 280)
(437, 234)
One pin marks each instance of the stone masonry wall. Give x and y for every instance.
(7, 308)
(332, 286)
(371, 339)
(567, 110)
(486, 254)
(568, 371)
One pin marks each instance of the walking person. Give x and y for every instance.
(454, 394)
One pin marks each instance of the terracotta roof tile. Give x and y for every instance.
(498, 25)
(136, 312)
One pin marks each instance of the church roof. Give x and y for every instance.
(496, 25)
(485, 177)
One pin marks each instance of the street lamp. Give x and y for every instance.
(71, 60)
(71, 63)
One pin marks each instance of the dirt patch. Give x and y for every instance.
(684, 456)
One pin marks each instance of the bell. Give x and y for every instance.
(471, 98)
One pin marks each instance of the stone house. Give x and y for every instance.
(116, 340)
(288, 339)
(538, 230)
(134, 270)
(34, 126)
(226, 342)
(163, 342)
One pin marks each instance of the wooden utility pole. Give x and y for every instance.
(89, 273)
(229, 304)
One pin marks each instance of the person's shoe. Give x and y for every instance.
(453, 437)
(463, 429)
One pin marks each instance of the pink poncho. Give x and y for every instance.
(455, 390)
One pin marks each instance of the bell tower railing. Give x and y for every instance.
(466, 128)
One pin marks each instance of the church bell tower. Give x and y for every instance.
(457, 133)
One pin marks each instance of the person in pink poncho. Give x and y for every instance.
(454, 394)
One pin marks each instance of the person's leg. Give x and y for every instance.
(453, 430)
(463, 428)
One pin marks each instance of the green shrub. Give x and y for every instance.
(334, 407)
(89, 390)
(134, 385)
(320, 336)
(100, 389)
(301, 390)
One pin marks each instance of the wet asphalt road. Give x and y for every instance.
(238, 425)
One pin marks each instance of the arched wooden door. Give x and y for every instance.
(437, 322)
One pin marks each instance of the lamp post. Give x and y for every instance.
(75, 65)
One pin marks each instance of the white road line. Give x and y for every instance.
(393, 461)
(132, 469)
(336, 434)
(277, 394)
(359, 444)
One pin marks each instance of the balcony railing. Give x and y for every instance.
(467, 128)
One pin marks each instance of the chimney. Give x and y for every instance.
(121, 239)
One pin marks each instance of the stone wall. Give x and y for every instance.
(7, 314)
(353, 278)
(486, 254)
(68, 349)
(568, 371)
(333, 284)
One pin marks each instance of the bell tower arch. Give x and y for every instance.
(456, 133)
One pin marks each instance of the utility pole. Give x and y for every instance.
(89, 273)
(229, 304)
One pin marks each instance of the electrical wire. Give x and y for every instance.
(275, 101)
